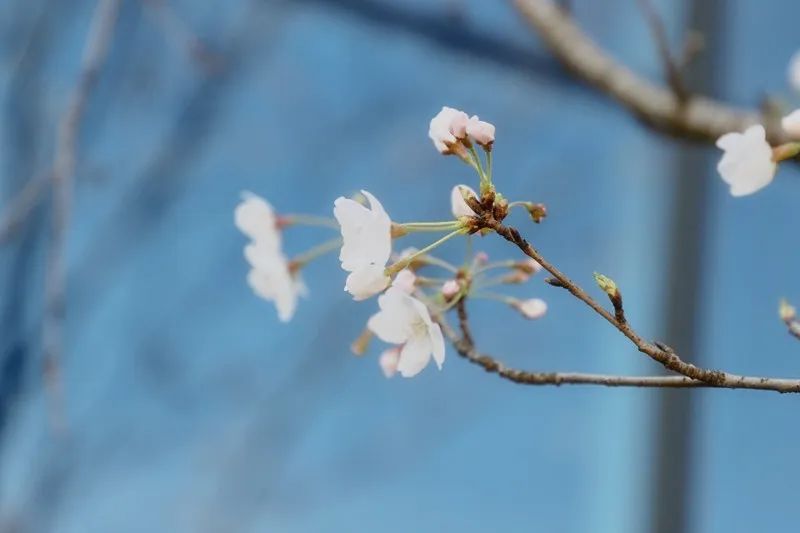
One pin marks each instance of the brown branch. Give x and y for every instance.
(94, 54)
(465, 347)
(658, 352)
(699, 118)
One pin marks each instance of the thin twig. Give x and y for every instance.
(672, 71)
(700, 118)
(465, 347)
(94, 54)
(176, 29)
(656, 351)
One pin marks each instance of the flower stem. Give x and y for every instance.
(431, 226)
(498, 264)
(488, 166)
(317, 251)
(478, 166)
(486, 295)
(310, 220)
(435, 261)
(401, 264)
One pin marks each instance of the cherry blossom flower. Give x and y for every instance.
(791, 124)
(457, 203)
(366, 247)
(405, 321)
(442, 126)
(794, 71)
(270, 276)
(747, 165)
(389, 360)
(531, 309)
(480, 131)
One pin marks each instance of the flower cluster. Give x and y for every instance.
(749, 162)
(411, 303)
(271, 275)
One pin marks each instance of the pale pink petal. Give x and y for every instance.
(389, 360)
(481, 132)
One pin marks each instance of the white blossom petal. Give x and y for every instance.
(270, 276)
(532, 309)
(791, 124)
(367, 281)
(746, 164)
(392, 323)
(414, 356)
(458, 206)
(255, 218)
(276, 285)
(405, 281)
(366, 233)
(436, 340)
(404, 320)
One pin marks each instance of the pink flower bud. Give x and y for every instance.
(389, 360)
(481, 258)
(450, 289)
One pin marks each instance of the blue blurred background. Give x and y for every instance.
(190, 408)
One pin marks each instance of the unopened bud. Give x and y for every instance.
(450, 289)
(607, 285)
(555, 282)
(531, 309)
(516, 276)
(531, 266)
(538, 212)
(389, 360)
(481, 258)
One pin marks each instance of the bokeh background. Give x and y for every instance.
(190, 408)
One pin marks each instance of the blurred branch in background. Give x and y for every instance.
(672, 70)
(95, 51)
(659, 107)
(176, 30)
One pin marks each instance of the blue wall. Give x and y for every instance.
(191, 408)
